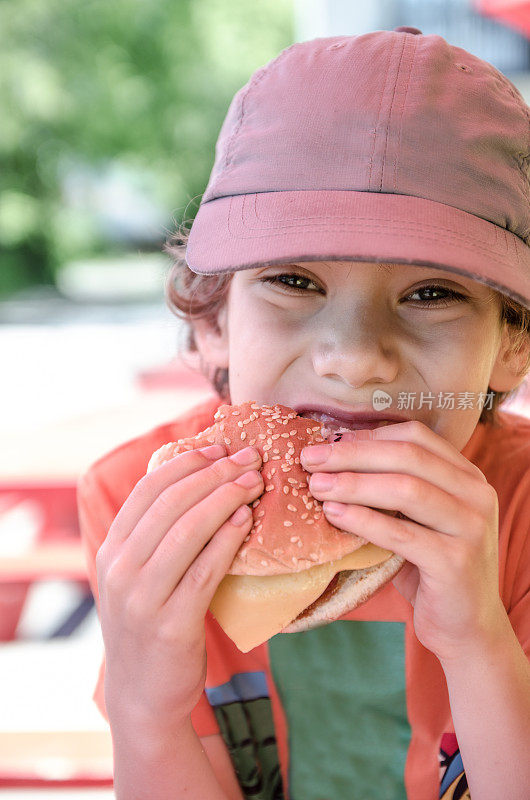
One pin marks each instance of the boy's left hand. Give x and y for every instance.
(450, 539)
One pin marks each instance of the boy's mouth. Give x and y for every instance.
(332, 425)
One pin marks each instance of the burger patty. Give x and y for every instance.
(332, 588)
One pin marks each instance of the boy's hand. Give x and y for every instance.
(166, 552)
(450, 539)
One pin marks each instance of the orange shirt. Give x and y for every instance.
(244, 690)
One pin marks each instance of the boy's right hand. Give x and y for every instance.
(164, 556)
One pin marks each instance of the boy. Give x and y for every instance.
(353, 176)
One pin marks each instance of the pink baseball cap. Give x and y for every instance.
(392, 146)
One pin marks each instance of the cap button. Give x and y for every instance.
(406, 29)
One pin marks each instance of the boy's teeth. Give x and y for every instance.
(334, 426)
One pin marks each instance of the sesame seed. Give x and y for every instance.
(276, 458)
(260, 539)
(227, 441)
(294, 560)
(293, 433)
(273, 470)
(265, 457)
(303, 516)
(252, 441)
(287, 523)
(269, 488)
(292, 480)
(276, 435)
(291, 507)
(294, 539)
(240, 424)
(275, 450)
(243, 435)
(256, 503)
(236, 413)
(285, 435)
(264, 563)
(261, 513)
(261, 436)
(286, 468)
(285, 489)
(309, 521)
(246, 538)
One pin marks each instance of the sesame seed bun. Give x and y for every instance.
(290, 533)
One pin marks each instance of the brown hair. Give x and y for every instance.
(191, 296)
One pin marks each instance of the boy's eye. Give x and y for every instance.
(277, 279)
(441, 302)
(441, 296)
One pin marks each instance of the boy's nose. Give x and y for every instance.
(358, 364)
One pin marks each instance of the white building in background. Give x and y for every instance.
(455, 20)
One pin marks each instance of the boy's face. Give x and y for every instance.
(358, 327)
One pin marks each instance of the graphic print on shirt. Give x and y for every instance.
(453, 781)
(242, 708)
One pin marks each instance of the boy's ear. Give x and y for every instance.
(212, 340)
(507, 372)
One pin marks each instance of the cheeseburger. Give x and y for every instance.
(294, 570)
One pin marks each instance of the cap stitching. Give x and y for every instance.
(377, 123)
(523, 161)
(403, 107)
(256, 78)
(458, 238)
(385, 150)
(400, 223)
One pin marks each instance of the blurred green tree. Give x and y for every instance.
(103, 103)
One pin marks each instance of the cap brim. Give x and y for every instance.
(251, 230)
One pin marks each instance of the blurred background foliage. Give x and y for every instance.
(109, 116)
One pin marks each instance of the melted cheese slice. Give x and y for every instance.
(252, 608)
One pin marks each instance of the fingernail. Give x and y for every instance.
(213, 452)
(322, 481)
(316, 454)
(246, 456)
(249, 479)
(240, 516)
(334, 509)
